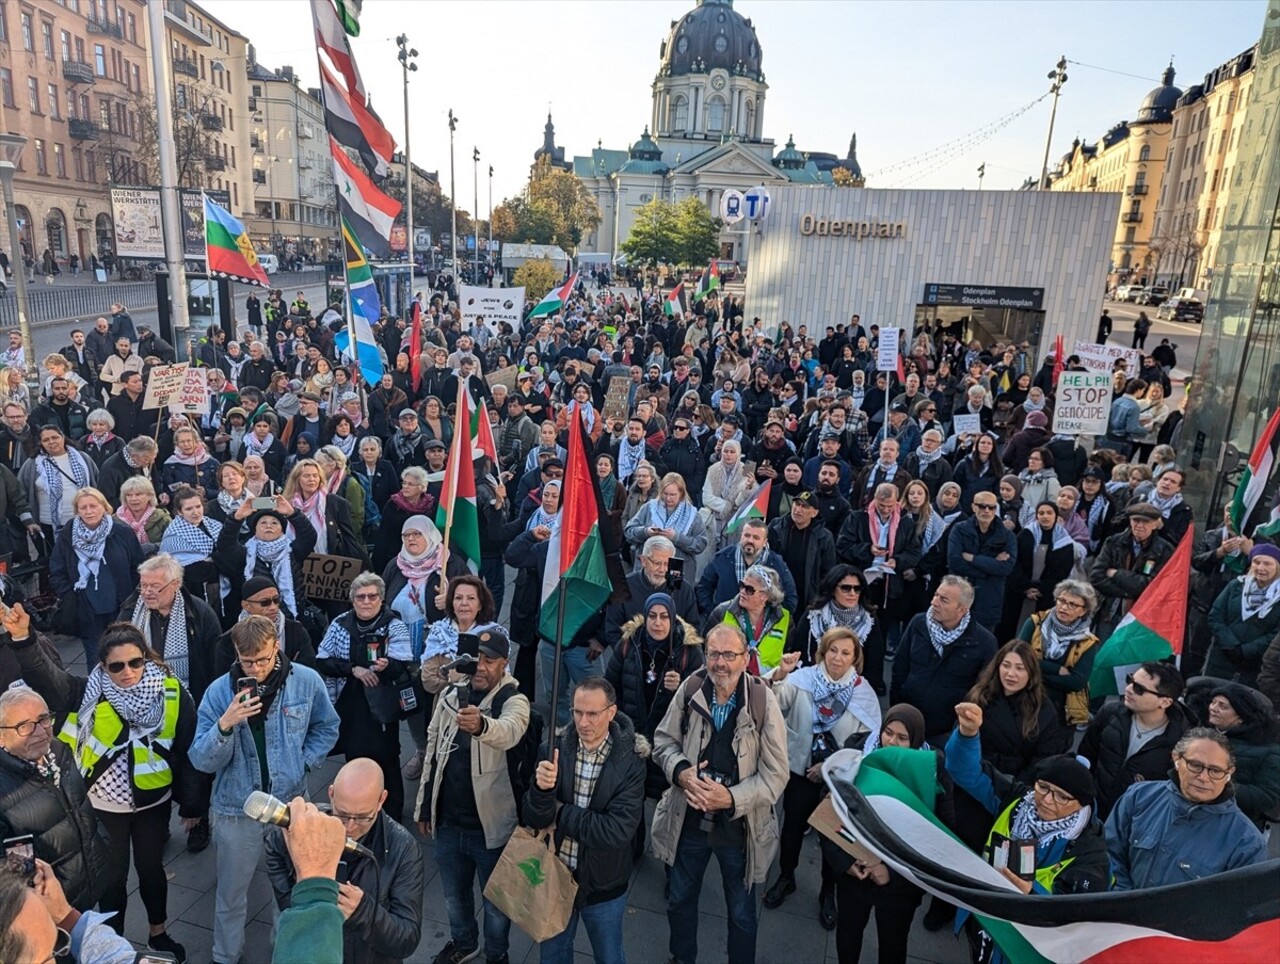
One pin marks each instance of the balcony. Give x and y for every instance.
(106, 28)
(259, 177)
(306, 132)
(305, 165)
(77, 72)
(211, 122)
(215, 163)
(1132, 217)
(188, 67)
(255, 142)
(83, 130)
(1137, 190)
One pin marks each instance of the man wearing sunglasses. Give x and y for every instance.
(1192, 817)
(1131, 741)
(260, 596)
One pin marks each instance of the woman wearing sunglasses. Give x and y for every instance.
(757, 610)
(129, 725)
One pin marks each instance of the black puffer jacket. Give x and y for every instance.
(61, 820)
(1105, 745)
(605, 828)
(627, 669)
(1006, 749)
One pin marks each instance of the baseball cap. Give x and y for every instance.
(805, 498)
(494, 643)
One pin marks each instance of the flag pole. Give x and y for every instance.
(452, 496)
(562, 599)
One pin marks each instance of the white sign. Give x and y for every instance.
(967, 424)
(193, 397)
(731, 207)
(756, 202)
(136, 215)
(1082, 403)
(1102, 358)
(887, 357)
(163, 382)
(495, 304)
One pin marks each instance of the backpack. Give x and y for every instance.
(522, 759)
(372, 514)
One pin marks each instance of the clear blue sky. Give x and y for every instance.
(908, 76)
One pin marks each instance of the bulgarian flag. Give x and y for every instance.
(228, 251)
(674, 305)
(457, 516)
(885, 801)
(1256, 476)
(756, 507)
(555, 299)
(583, 565)
(709, 281)
(1153, 629)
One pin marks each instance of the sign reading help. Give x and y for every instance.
(164, 382)
(1083, 403)
(329, 577)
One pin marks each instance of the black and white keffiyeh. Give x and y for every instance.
(256, 446)
(1257, 600)
(942, 638)
(854, 618)
(1058, 637)
(89, 545)
(140, 708)
(55, 478)
(176, 649)
(277, 557)
(1028, 825)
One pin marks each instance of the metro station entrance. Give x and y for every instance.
(987, 313)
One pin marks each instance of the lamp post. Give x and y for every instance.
(488, 251)
(475, 217)
(11, 146)
(453, 203)
(1059, 77)
(405, 56)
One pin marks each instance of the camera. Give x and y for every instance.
(707, 823)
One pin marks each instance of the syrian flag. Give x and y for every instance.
(1256, 476)
(1153, 629)
(756, 507)
(555, 299)
(886, 804)
(457, 515)
(674, 305)
(581, 555)
(709, 281)
(368, 211)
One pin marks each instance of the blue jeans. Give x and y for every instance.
(575, 667)
(461, 856)
(604, 928)
(693, 853)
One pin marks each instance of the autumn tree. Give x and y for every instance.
(841, 177)
(537, 277)
(553, 189)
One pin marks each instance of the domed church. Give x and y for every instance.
(705, 133)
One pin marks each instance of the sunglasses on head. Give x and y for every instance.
(118, 666)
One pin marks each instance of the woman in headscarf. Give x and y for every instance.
(1245, 618)
(756, 609)
(671, 515)
(786, 487)
(281, 540)
(412, 499)
(1095, 507)
(1013, 508)
(415, 577)
(947, 506)
(827, 706)
(727, 486)
(190, 464)
(329, 514)
(1061, 639)
(257, 483)
(130, 724)
(93, 567)
(385, 403)
(101, 443)
(190, 539)
(138, 511)
(53, 478)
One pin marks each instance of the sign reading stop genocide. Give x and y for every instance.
(1083, 403)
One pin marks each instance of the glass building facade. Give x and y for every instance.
(1235, 383)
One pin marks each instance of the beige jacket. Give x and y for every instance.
(495, 800)
(762, 772)
(114, 368)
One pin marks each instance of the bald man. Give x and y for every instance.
(386, 929)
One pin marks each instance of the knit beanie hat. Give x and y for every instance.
(1070, 774)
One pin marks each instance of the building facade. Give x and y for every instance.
(75, 81)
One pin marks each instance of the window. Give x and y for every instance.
(77, 163)
(66, 45)
(33, 94)
(91, 167)
(4, 23)
(679, 113)
(6, 87)
(42, 162)
(180, 95)
(133, 29)
(137, 77)
(80, 49)
(715, 114)
(100, 60)
(104, 114)
(122, 120)
(1145, 153)
(83, 113)
(46, 37)
(59, 161)
(28, 36)
(55, 101)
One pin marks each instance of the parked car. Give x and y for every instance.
(1154, 295)
(1181, 309)
(1129, 292)
(270, 263)
(728, 270)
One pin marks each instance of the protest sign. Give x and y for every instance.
(329, 577)
(495, 305)
(1102, 358)
(503, 376)
(966, 424)
(887, 350)
(164, 381)
(617, 398)
(193, 397)
(1082, 403)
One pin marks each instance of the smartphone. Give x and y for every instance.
(155, 957)
(20, 856)
(675, 573)
(247, 685)
(263, 503)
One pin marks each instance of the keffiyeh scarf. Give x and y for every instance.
(629, 456)
(942, 638)
(678, 520)
(259, 447)
(54, 478)
(1027, 824)
(137, 523)
(276, 556)
(927, 459)
(855, 618)
(89, 546)
(176, 649)
(346, 444)
(1164, 505)
(1257, 600)
(1058, 637)
(140, 707)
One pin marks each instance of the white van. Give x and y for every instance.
(270, 263)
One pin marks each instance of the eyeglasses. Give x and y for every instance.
(725, 657)
(1052, 792)
(267, 603)
(367, 596)
(260, 661)
(682, 428)
(749, 589)
(849, 587)
(1196, 768)
(1071, 604)
(155, 590)
(1138, 688)
(61, 947)
(357, 818)
(118, 666)
(590, 715)
(27, 727)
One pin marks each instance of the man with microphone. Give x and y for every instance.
(261, 726)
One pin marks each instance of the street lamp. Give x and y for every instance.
(405, 56)
(453, 203)
(488, 251)
(11, 146)
(1059, 77)
(475, 218)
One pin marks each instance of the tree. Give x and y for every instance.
(537, 278)
(193, 144)
(652, 237)
(697, 233)
(841, 177)
(564, 193)
(682, 234)
(504, 223)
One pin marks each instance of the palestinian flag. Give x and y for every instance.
(709, 281)
(349, 10)
(1222, 919)
(457, 515)
(228, 251)
(1153, 629)
(482, 434)
(674, 305)
(582, 558)
(555, 299)
(756, 507)
(1256, 476)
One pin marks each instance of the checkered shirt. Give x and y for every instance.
(586, 771)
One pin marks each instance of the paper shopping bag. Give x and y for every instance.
(532, 886)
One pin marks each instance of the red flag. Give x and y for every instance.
(482, 435)
(1058, 361)
(415, 346)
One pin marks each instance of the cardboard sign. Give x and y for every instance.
(503, 376)
(193, 397)
(966, 423)
(617, 398)
(826, 821)
(887, 350)
(163, 382)
(329, 577)
(1083, 404)
(1102, 358)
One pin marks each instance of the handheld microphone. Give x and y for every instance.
(265, 808)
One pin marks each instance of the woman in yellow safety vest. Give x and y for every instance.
(757, 610)
(129, 725)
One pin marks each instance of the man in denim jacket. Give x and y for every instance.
(263, 737)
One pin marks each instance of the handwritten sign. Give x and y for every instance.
(1102, 358)
(329, 577)
(163, 382)
(503, 376)
(887, 350)
(1083, 403)
(967, 424)
(617, 398)
(193, 397)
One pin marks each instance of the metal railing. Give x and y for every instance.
(105, 27)
(83, 130)
(183, 66)
(78, 72)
